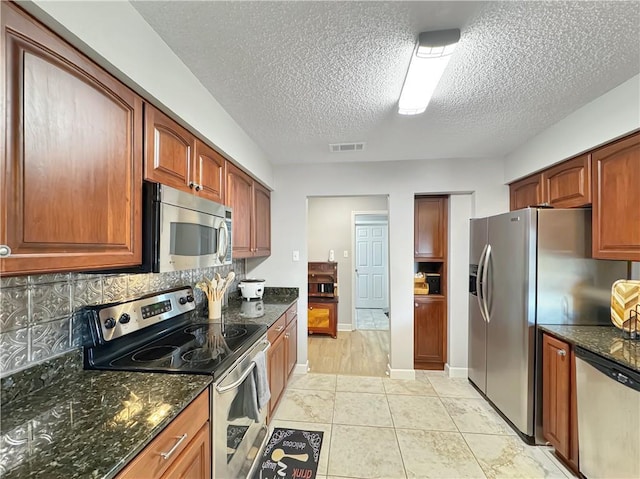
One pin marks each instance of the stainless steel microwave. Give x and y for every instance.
(183, 231)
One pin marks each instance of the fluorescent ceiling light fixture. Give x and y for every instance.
(430, 58)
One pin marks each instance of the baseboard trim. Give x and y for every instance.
(456, 372)
(345, 327)
(301, 368)
(402, 373)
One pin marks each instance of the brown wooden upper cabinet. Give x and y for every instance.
(568, 184)
(528, 191)
(616, 200)
(176, 158)
(251, 203)
(430, 225)
(565, 185)
(72, 156)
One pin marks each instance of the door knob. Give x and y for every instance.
(562, 352)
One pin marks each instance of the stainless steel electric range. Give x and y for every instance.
(161, 333)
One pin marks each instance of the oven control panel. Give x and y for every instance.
(119, 319)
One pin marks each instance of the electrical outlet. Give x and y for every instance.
(296, 255)
(345, 254)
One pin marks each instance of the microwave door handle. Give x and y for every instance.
(223, 238)
(479, 284)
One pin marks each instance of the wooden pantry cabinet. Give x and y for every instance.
(559, 398)
(429, 332)
(430, 226)
(282, 355)
(182, 449)
(177, 158)
(251, 204)
(616, 200)
(72, 156)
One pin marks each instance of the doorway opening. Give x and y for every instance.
(331, 237)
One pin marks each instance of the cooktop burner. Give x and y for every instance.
(154, 353)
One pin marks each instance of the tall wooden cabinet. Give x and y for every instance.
(430, 304)
(251, 203)
(176, 158)
(72, 156)
(616, 200)
(322, 303)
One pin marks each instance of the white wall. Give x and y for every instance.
(329, 227)
(400, 181)
(607, 117)
(117, 33)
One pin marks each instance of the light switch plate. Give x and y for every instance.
(346, 253)
(296, 255)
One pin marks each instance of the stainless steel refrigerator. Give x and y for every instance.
(529, 267)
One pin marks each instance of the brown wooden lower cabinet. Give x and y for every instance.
(282, 355)
(188, 436)
(322, 316)
(559, 405)
(429, 332)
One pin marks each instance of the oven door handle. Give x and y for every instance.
(223, 389)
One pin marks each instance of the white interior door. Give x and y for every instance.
(372, 288)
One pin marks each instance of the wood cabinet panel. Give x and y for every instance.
(430, 226)
(262, 223)
(574, 453)
(568, 184)
(188, 424)
(72, 156)
(208, 172)
(239, 197)
(277, 364)
(527, 192)
(195, 460)
(430, 332)
(322, 317)
(283, 354)
(168, 150)
(556, 374)
(291, 337)
(616, 214)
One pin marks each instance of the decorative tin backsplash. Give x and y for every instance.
(36, 312)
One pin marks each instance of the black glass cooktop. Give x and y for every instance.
(192, 349)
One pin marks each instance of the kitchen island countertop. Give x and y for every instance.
(89, 424)
(606, 341)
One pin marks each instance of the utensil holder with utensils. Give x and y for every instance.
(214, 290)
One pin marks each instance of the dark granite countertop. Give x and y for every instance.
(87, 424)
(60, 421)
(274, 303)
(606, 341)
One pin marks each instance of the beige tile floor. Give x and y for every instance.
(433, 427)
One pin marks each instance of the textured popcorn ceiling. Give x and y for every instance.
(300, 75)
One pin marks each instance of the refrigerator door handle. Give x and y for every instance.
(479, 284)
(485, 289)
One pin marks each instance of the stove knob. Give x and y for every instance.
(190, 298)
(124, 318)
(183, 300)
(109, 323)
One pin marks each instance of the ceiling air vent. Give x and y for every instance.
(344, 147)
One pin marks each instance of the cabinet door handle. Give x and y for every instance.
(198, 187)
(4, 251)
(192, 184)
(286, 336)
(415, 304)
(280, 328)
(562, 352)
(167, 455)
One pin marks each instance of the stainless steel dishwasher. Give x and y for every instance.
(608, 418)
